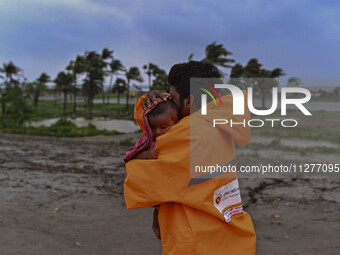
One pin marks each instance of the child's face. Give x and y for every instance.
(160, 124)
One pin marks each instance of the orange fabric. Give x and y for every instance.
(138, 112)
(189, 220)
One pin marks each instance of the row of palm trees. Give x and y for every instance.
(254, 75)
(93, 73)
(95, 68)
(89, 74)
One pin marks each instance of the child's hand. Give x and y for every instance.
(149, 154)
(152, 98)
(153, 153)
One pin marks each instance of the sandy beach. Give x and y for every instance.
(65, 196)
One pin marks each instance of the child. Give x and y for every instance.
(157, 121)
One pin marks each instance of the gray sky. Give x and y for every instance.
(301, 37)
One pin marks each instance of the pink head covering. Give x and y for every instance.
(146, 141)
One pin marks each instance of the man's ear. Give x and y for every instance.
(186, 103)
(189, 103)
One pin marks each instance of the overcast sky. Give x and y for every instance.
(301, 37)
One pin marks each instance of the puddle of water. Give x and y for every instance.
(125, 126)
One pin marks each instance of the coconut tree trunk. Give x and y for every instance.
(65, 100)
(35, 101)
(104, 106)
(3, 108)
(55, 100)
(75, 104)
(110, 89)
(74, 114)
(89, 105)
(127, 97)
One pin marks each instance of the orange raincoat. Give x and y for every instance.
(196, 216)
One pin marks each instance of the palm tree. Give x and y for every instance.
(115, 66)
(235, 76)
(94, 69)
(236, 71)
(132, 74)
(119, 87)
(161, 80)
(43, 78)
(252, 69)
(12, 75)
(217, 55)
(76, 68)
(10, 70)
(150, 69)
(64, 83)
(37, 87)
(34, 89)
(17, 108)
(254, 73)
(255, 76)
(106, 54)
(268, 82)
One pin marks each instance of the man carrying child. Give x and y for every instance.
(196, 216)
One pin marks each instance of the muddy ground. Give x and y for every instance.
(65, 196)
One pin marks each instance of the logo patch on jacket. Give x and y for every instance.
(227, 200)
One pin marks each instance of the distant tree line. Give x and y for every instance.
(96, 73)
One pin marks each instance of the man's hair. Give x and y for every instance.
(180, 74)
(163, 107)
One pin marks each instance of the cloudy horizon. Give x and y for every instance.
(301, 37)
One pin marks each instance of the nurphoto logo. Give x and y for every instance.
(239, 103)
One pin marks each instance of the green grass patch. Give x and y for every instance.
(49, 110)
(62, 128)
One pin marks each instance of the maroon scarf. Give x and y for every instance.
(146, 141)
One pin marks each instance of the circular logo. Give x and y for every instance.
(218, 200)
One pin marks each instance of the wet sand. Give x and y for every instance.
(65, 196)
